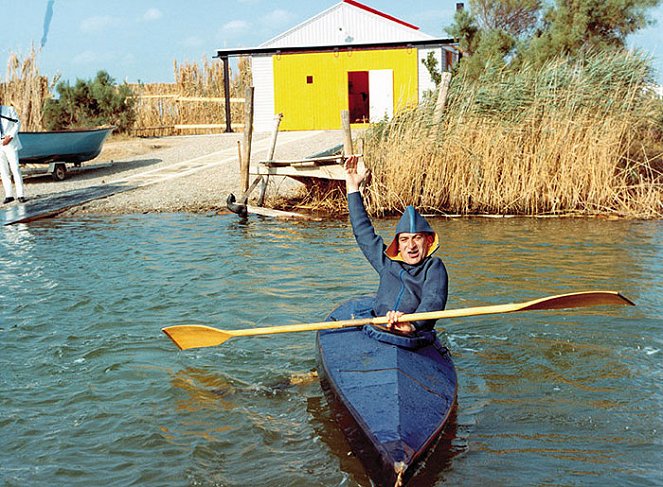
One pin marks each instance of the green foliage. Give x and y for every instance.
(465, 30)
(514, 17)
(516, 32)
(90, 104)
(490, 53)
(431, 65)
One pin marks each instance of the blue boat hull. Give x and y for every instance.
(75, 146)
(400, 398)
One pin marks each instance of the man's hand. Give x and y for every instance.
(355, 174)
(394, 325)
(6, 139)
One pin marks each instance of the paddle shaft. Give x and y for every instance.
(573, 300)
(192, 336)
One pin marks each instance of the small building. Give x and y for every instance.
(348, 57)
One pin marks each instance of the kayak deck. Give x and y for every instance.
(400, 398)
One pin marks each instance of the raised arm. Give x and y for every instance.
(370, 243)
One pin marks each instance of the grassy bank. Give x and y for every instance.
(564, 139)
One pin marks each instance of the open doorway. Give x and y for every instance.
(370, 95)
(358, 97)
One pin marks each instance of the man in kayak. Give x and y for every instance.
(9, 147)
(411, 279)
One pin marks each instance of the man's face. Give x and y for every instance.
(414, 246)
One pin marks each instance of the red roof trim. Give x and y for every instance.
(381, 14)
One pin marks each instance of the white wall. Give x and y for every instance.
(262, 70)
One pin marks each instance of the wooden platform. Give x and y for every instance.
(325, 165)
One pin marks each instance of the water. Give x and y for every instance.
(92, 393)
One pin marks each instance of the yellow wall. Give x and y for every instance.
(317, 106)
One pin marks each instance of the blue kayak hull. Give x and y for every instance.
(399, 397)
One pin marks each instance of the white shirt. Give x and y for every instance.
(9, 127)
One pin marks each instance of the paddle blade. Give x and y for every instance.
(579, 300)
(195, 336)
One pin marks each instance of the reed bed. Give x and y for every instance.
(195, 99)
(568, 138)
(26, 89)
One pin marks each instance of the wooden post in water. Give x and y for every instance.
(245, 161)
(442, 96)
(270, 157)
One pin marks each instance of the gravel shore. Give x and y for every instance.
(200, 190)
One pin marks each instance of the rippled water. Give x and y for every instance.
(92, 393)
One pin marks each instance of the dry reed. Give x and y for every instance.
(196, 99)
(559, 140)
(26, 89)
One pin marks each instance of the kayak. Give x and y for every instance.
(399, 392)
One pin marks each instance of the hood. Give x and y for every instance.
(411, 222)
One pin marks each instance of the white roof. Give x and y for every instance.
(348, 22)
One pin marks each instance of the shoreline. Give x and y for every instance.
(197, 191)
(203, 191)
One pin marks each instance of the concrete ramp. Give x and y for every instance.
(52, 205)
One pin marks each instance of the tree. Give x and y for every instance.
(515, 31)
(572, 27)
(482, 45)
(514, 17)
(466, 31)
(90, 104)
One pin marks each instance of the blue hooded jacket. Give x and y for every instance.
(403, 287)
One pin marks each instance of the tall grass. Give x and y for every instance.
(25, 89)
(161, 106)
(157, 112)
(568, 138)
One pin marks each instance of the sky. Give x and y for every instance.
(138, 40)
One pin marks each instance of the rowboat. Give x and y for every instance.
(58, 147)
(399, 392)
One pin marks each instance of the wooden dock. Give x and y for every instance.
(325, 167)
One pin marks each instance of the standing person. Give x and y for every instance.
(9, 147)
(411, 279)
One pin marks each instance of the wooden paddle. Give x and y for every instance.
(195, 336)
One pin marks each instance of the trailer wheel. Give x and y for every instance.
(59, 172)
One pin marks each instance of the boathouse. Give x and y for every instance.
(348, 57)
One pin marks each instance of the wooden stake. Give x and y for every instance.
(347, 133)
(275, 133)
(270, 157)
(248, 135)
(442, 96)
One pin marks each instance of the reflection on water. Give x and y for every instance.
(203, 390)
(91, 390)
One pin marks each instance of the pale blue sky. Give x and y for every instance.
(138, 40)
